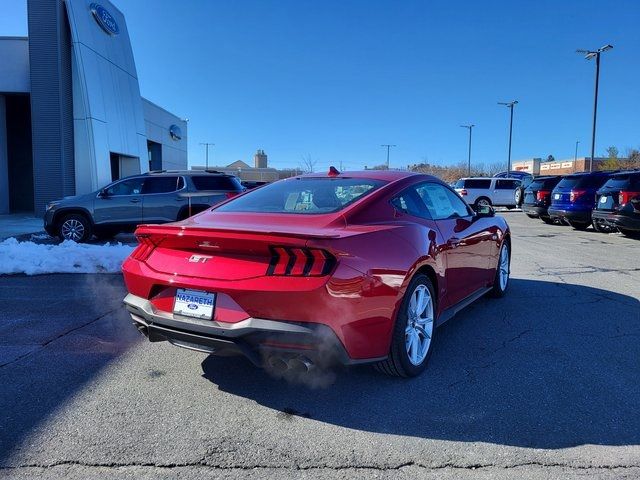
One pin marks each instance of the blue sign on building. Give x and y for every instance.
(105, 19)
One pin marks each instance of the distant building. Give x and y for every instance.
(536, 166)
(260, 159)
(260, 173)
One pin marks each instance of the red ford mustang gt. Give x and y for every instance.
(355, 267)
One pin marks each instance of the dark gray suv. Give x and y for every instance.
(155, 197)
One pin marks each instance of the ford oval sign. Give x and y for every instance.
(104, 19)
(175, 133)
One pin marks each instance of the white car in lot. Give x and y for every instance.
(480, 191)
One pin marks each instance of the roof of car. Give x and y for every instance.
(490, 178)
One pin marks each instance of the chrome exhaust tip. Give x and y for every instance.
(300, 365)
(277, 364)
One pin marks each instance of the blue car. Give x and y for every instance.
(574, 198)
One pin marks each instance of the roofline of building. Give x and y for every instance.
(162, 108)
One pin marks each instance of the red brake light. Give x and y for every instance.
(144, 249)
(625, 197)
(300, 262)
(575, 194)
(463, 192)
(231, 194)
(542, 195)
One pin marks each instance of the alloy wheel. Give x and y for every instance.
(504, 267)
(72, 229)
(419, 329)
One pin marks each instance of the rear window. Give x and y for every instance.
(215, 182)
(542, 183)
(303, 195)
(591, 181)
(623, 181)
(476, 183)
(570, 182)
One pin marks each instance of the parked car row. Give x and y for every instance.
(608, 200)
(153, 197)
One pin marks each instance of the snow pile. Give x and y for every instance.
(66, 257)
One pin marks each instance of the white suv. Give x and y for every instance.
(479, 191)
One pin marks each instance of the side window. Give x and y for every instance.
(409, 202)
(477, 183)
(441, 202)
(506, 184)
(132, 186)
(160, 185)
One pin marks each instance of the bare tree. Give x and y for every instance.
(308, 163)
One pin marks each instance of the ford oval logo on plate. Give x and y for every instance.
(192, 306)
(104, 19)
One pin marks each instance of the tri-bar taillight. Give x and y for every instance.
(300, 262)
(625, 197)
(542, 195)
(144, 249)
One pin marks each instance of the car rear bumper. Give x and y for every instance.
(260, 340)
(580, 216)
(534, 211)
(614, 219)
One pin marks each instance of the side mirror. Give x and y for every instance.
(484, 211)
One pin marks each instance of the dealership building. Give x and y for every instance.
(71, 115)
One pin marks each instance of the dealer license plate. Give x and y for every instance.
(557, 196)
(194, 303)
(603, 199)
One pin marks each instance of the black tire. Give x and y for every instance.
(598, 227)
(630, 233)
(548, 220)
(511, 207)
(579, 225)
(498, 290)
(75, 227)
(398, 363)
(482, 201)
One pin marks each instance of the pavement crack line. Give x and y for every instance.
(63, 334)
(400, 466)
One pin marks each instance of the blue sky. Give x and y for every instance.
(335, 79)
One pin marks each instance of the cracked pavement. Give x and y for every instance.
(540, 384)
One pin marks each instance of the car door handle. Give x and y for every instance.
(181, 199)
(134, 200)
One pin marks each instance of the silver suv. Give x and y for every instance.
(482, 191)
(155, 197)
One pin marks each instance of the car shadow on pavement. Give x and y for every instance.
(551, 365)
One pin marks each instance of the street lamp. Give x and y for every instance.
(575, 157)
(207, 154)
(589, 54)
(470, 127)
(388, 147)
(510, 106)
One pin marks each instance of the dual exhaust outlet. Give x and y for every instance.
(281, 365)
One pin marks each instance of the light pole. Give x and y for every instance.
(207, 154)
(470, 127)
(575, 157)
(589, 54)
(388, 147)
(510, 105)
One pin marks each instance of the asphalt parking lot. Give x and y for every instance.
(543, 383)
